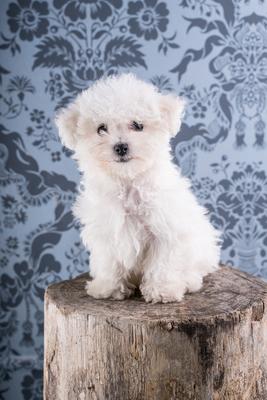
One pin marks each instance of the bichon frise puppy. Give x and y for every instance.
(140, 221)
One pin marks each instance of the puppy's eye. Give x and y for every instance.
(136, 126)
(102, 129)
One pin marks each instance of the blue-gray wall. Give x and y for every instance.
(213, 52)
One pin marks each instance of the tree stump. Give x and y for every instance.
(210, 346)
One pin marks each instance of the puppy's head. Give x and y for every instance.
(120, 124)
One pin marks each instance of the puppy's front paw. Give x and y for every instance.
(96, 288)
(101, 289)
(163, 294)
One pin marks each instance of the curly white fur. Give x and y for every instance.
(140, 220)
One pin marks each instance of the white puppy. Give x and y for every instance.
(140, 221)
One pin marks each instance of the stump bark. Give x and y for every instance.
(210, 346)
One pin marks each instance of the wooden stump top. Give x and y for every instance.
(225, 292)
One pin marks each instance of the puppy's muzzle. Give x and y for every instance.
(122, 150)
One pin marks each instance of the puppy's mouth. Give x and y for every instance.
(123, 159)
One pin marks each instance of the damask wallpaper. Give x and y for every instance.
(213, 52)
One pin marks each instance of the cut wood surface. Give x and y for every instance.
(210, 346)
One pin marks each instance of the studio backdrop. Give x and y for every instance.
(212, 52)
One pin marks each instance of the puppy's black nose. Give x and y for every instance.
(121, 149)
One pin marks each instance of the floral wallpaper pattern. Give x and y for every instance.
(213, 52)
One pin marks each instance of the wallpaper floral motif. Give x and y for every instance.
(213, 52)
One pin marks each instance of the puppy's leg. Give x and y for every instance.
(109, 279)
(163, 279)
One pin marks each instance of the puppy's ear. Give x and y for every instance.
(66, 120)
(172, 111)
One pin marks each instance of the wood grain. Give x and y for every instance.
(210, 346)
